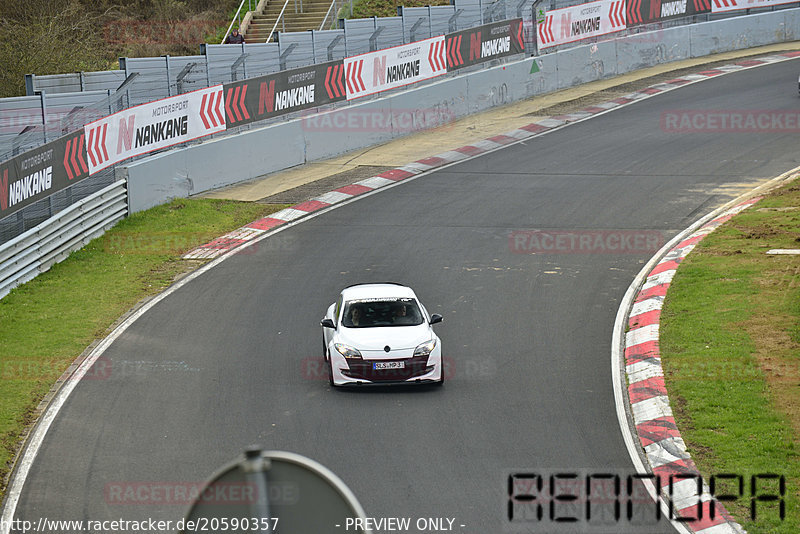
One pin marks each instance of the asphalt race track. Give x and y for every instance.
(233, 358)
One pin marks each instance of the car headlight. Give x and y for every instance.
(424, 349)
(347, 352)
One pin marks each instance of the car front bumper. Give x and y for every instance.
(418, 369)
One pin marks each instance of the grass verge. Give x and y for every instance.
(730, 347)
(46, 323)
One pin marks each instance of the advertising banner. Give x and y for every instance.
(721, 6)
(283, 92)
(152, 126)
(491, 41)
(40, 172)
(561, 26)
(394, 67)
(647, 11)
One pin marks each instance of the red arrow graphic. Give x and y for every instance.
(348, 77)
(89, 148)
(458, 50)
(236, 104)
(103, 144)
(218, 109)
(550, 29)
(339, 79)
(241, 103)
(203, 107)
(84, 167)
(66, 160)
(72, 159)
(449, 51)
(328, 82)
(442, 56)
(358, 76)
(519, 35)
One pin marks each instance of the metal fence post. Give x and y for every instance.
(43, 100)
(313, 48)
(333, 45)
(169, 85)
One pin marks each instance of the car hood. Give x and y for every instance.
(376, 338)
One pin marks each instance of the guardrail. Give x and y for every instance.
(41, 247)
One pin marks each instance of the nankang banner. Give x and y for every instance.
(491, 41)
(647, 11)
(561, 26)
(40, 172)
(283, 92)
(721, 6)
(152, 126)
(394, 67)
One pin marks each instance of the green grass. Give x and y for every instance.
(729, 344)
(46, 323)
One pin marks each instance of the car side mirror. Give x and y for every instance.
(436, 318)
(327, 323)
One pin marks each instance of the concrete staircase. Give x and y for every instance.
(307, 17)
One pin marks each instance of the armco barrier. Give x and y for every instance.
(224, 161)
(38, 249)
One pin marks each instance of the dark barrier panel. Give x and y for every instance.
(482, 43)
(646, 11)
(283, 92)
(40, 172)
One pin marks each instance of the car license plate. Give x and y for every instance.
(389, 365)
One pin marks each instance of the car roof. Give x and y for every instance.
(381, 290)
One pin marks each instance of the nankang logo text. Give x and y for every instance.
(31, 185)
(162, 131)
(495, 46)
(580, 27)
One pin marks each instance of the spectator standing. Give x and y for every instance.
(234, 38)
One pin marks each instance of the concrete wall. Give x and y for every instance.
(227, 160)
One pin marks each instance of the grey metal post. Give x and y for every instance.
(43, 99)
(402, 22)
(181, 75)
(29, 91)
(480, 9)
(235, 66)
(169, 86)
(333, 45)
(284, 55)
(373, 39)
(313, 49)
(452, 22)
(534, 6)
(81, 80)
(412, 33)
(204, 52)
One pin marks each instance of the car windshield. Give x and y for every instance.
(381, 312)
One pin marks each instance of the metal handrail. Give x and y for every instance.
(277, 21)
(236, 16)
(322, 26)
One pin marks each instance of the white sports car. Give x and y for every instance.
(380, 334)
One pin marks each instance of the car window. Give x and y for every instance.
(381, 312)
(337, 310)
